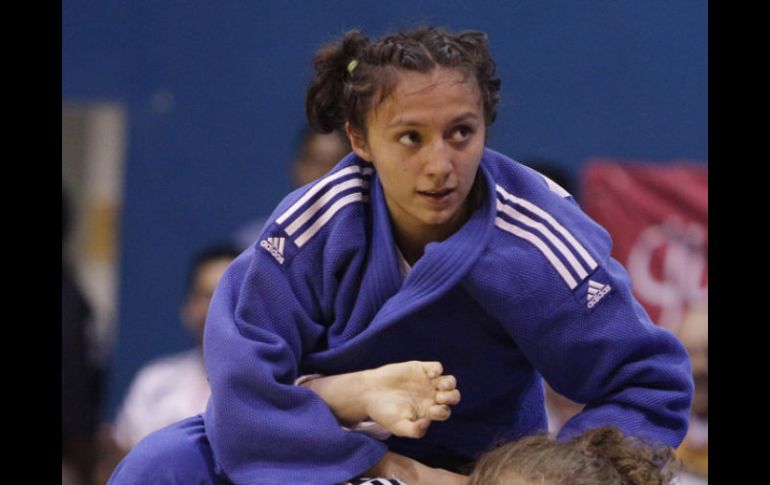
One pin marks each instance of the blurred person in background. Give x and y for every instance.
(559, 409)
(175, 386)
(555, 172)
(317, 153)
(81, 375)
(172, 387)
(694, 451)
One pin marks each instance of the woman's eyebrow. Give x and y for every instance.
(407, 122)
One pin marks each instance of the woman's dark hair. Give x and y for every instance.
(339, 93)
(599, 456)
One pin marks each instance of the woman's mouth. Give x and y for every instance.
(437, 195)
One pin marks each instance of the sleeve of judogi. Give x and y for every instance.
(261, 427)
(627, 371)
(578, 323)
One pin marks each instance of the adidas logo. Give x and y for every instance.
(596, 292)
(274, 246)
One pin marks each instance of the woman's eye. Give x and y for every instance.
(409, 139)
(462, 133)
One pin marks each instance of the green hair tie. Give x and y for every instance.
(352, 65)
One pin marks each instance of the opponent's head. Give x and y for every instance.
(417, 105)
(601, 455)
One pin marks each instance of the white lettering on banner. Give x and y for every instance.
(683, 266)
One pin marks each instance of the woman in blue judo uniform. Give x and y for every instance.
(425, 248)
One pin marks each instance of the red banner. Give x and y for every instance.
(657, 216)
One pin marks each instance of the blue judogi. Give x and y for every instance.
(526, 288)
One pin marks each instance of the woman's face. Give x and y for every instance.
(425, 141)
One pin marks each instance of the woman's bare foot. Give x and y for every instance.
(405, 397)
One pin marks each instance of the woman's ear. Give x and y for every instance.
(357, 142)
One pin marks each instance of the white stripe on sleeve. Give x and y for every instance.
(554, 223)
(318, 187)
(539, 244)
(321, 221)
(322, 201)
(516, 215)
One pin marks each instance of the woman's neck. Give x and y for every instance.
(412, 240)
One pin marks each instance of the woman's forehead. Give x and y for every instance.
(417, 93)
(410, 83)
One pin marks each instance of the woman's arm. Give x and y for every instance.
(261, 427)
(412, 472)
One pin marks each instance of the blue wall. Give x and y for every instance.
(214, 93)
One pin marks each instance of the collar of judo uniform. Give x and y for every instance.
(442, 267)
